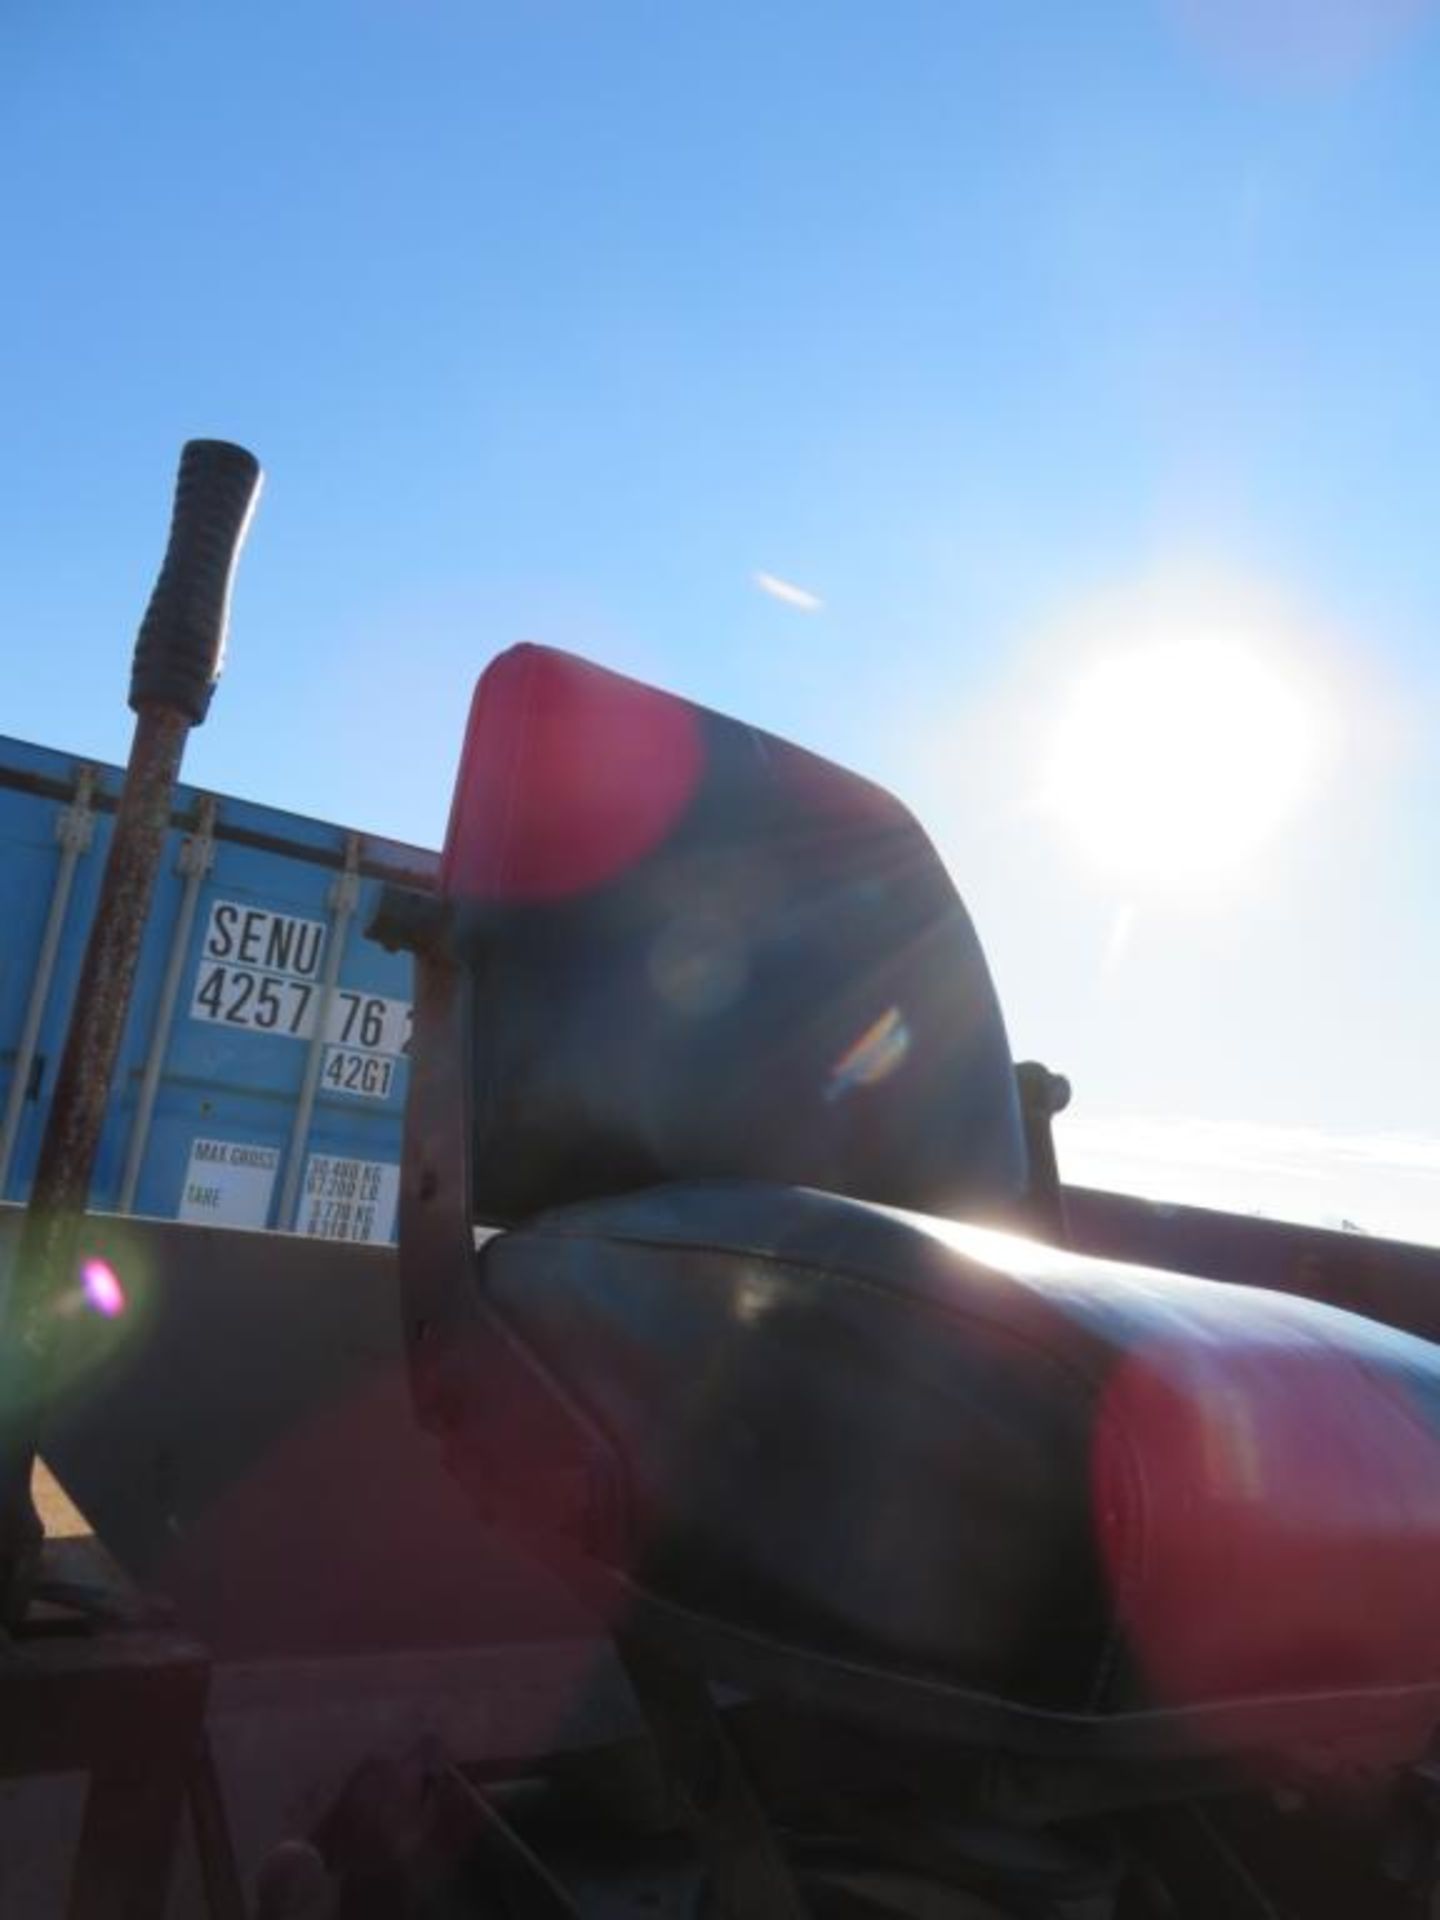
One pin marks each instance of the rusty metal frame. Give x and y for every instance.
(128, 1709)
(437, 1235)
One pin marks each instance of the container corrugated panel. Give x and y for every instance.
(257, 931)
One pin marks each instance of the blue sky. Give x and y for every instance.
(562, 321)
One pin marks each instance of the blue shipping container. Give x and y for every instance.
(262, 1076)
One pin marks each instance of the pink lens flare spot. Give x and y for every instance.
(102, 1288)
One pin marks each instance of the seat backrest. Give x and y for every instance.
(699, 951)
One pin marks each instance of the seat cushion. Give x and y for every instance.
(1060, 1482)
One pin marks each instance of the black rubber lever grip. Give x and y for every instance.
(181, 647)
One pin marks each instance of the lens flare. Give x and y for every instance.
(571, 777)
(878, 1052)
(102, 1289)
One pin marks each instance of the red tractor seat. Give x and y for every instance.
(704, 1031)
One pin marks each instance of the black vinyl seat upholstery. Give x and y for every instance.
(697, 950)
(955, 1454)
(733, 1070)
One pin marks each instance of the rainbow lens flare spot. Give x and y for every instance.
(873, 1057)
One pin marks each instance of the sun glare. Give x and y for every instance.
(1173, 761)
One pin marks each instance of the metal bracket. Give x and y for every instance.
(74, 832)
(344, 895)
(75, 823)
(196, 856)
(344, 898)
(749, 1876)
(1043, 1095)
(197, 849)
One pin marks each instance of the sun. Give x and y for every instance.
(1174, 760)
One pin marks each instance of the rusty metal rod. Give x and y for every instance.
(177, 661)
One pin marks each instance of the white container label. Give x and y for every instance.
(349, 1199)
(229, 1183)
(368, 1075)
(260, 972)
(368, 1023)
(274, 943)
